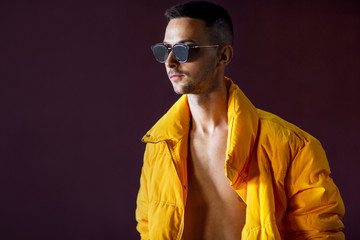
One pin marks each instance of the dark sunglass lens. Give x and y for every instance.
(160, 52)
(181, 52)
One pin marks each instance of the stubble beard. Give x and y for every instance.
(201, 83)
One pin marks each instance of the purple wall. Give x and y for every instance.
(79, 87)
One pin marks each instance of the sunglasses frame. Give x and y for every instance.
(186, 46)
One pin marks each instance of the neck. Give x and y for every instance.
(209, 110)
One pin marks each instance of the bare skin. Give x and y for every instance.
(213, 209)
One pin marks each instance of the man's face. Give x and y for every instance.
(197, 74)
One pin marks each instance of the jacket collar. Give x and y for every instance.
(243, 121)
(173, 126)
(242, 126)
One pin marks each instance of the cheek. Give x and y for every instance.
(193, 55)
(208, 66)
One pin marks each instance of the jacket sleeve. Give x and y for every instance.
(143, 199)
(315, 207)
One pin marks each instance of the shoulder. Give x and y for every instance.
(287, 145)
(281, 130)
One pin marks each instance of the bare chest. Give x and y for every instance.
(213, 209)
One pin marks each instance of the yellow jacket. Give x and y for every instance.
(279, 171)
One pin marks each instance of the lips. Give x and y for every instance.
(176, 76)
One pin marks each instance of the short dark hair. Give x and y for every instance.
(216, 18)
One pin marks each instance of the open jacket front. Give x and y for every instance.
(279, 171)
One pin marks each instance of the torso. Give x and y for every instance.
(213, 209)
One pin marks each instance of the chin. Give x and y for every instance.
(184, 89)
(179, 91)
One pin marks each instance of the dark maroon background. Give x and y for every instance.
(79, 87)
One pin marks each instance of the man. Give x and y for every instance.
(215, 167)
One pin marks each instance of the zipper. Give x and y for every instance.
(182, 187)
(182, 190)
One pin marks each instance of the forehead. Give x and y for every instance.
(184, 29)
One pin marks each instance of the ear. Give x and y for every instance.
(225, 55)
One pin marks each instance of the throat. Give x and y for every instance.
(209, 112)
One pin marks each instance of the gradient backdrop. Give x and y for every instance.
(79, 88)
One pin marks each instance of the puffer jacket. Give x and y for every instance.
(279, 171)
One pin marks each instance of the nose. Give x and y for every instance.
(171, 61)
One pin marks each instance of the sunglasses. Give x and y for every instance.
(181, 51)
